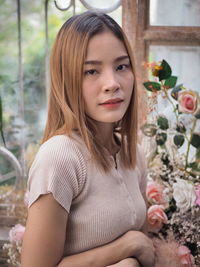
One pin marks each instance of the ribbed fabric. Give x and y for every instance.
(101, 206)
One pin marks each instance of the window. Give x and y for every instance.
(165, 29)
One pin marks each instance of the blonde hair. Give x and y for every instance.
(66, 105)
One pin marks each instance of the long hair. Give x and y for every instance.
(66, 105)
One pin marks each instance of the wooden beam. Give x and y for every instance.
(133, 23)
(183, 34)
(129, 20)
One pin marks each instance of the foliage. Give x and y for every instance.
(173, 190)
(183, 102)
(33, 58)
(18, 210)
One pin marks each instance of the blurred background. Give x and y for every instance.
(156, 29)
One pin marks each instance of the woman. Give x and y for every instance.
(87, 183)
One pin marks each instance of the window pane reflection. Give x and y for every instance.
(102, 3)
(175, 13)
(185, 64)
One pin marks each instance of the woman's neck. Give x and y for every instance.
(105, 136)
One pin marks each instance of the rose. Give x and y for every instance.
(188, 101)
(186, 259)
(197, 191)
(156, 217)
(16, 233)
(184, 194)
(155, 193)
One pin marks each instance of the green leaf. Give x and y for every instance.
(170, 82)
(163, 123)
(149, 129)
(174, 92)
(152, 86)
(179, 140)
(180, 127)
(165, 72)
(161, 138)
(195, 141)
(1, 114)
(197, 115)
(195, 168)
(1, 122)
(198, 154)
(193, 165)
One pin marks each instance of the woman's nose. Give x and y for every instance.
(110, 82)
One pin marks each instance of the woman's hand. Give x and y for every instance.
(141, 247)
(129, 262)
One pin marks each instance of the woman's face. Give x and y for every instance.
(108, 78)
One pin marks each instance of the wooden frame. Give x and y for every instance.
(135, 21)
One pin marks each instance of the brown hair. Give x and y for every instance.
(66, 105)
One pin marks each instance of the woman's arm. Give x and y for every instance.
(129, 262)
(44, 238)
(116, 253)
(45, 234)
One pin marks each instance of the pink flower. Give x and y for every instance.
(16, 233)
(155, 193)
(186, 259)
(156, 217)
(188, 101)
(198, 195)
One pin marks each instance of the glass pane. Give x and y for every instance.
(102, 3)
(63, 3)
(175, 13)
(185, 64)
(184, 60)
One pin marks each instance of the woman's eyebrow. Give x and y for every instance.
(121, 58)
(98, 62)
(93, 62)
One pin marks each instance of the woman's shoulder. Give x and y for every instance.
(60, 150)
(58, 143)
(59, 167)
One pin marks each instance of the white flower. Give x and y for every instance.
(184, 194)
(149, 147)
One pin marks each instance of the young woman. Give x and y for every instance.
(87, 183)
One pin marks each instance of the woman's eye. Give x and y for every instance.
(122, 67)
(90, 72)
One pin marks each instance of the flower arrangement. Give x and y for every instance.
(173, 150)
(12, 249)
(173, 190)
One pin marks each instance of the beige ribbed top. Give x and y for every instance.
(101, 206)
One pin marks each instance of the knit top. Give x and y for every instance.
(101, 206)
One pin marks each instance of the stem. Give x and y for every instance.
(189, 143)
(189, 172)
(177, 118)
(166, 94)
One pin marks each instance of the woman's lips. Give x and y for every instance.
(112, 103)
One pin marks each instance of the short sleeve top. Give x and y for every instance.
(101, 206)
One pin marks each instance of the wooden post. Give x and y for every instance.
(133, 23)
